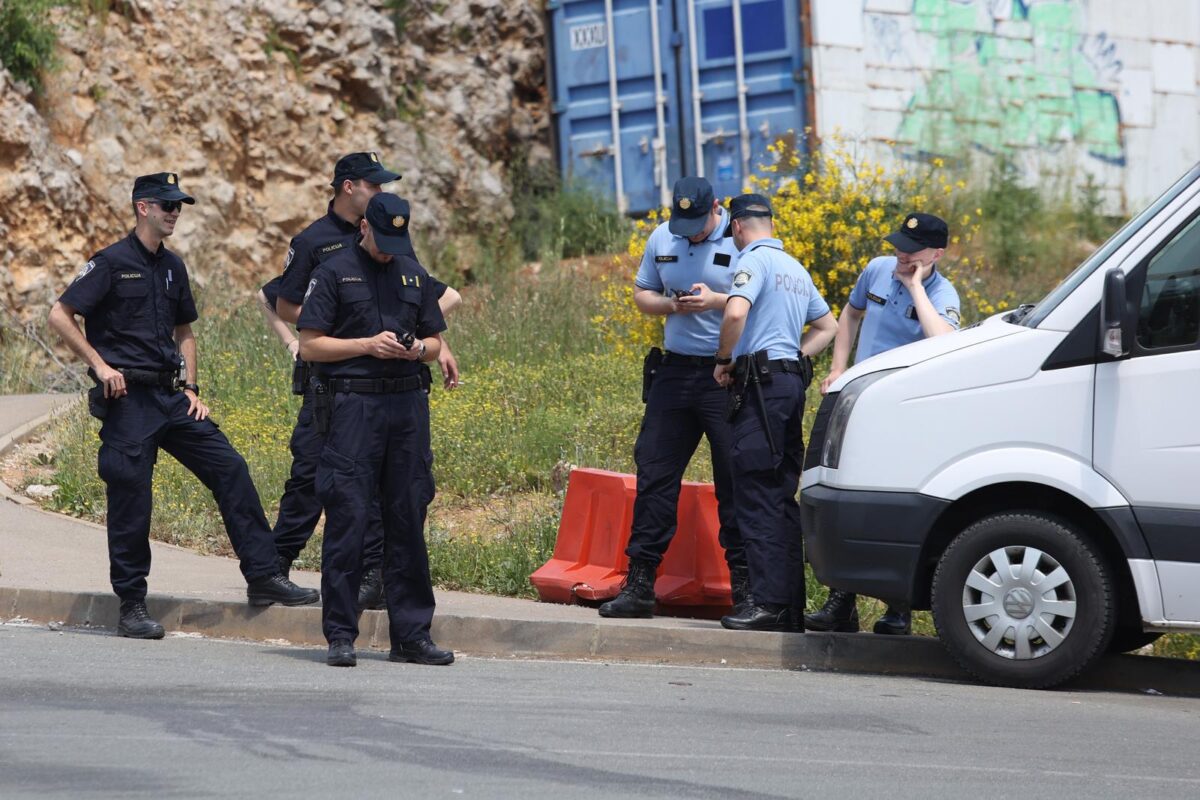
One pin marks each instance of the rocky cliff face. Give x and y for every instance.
(252, 101)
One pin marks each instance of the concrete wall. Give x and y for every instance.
(1065, 87)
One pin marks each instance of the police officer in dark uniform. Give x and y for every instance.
(357, 178)
(370, 318)
(685, 272)
(136, 302)
(772, 300)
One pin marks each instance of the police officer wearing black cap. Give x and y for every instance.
(764, 354)
(137, 306)
(370, 317)
(897, 300)
(357, 178)
(685, 273)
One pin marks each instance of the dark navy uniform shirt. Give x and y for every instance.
(131, 300)
(351, 296)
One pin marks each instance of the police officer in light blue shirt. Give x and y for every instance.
(685, 273)
(772, 300)
(897, 300)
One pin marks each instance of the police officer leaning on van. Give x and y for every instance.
(370, 318)
(685, 273)
(137, 306)
(897, 300)
(772, 300)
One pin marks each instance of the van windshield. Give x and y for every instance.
(1031, 316)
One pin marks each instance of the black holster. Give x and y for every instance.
(97, 402)
(426, 375)
(300, 375)
(650, 365)
(322, 405)
(806, 371)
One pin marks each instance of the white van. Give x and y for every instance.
(1035, 478)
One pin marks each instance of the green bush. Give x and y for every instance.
(27, 39)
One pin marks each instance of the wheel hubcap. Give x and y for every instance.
(1019, 602)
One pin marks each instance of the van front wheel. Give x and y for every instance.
(1023, 600)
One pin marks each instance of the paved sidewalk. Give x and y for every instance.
(54, 568)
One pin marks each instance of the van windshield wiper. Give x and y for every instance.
(1019, 313)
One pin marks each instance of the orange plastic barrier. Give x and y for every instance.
(589, 559)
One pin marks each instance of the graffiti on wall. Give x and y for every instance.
(1006, 75)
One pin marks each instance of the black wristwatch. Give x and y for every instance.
(193, 388)
(724, 361)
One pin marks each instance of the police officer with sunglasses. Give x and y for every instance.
(136, 302)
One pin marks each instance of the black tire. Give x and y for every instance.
(1125, 640)
(1036, 661)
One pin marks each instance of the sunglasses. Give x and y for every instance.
(168, 206)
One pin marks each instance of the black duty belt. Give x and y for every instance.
(147, 377)
(691, 361)
(375, 385)
(785, 365)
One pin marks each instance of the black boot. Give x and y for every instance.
(370, 590)
(739, 588)
(840, 614)
(761, 617)
(421, 651)
(896, 622)
(285, 567)
(277, 589)
(636, 599)
(341, 654)
(136, 622)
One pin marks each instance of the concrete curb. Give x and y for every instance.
(625, 641)
(18, 435)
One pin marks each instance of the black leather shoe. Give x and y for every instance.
(760, 617)
(840, 614)
(341, 654)
(421, 651)
(896, 622)
(636, 599)
(370, 591)
(277, 589)
(136, 622)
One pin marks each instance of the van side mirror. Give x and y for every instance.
(1112, 315)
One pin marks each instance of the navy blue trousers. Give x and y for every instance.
(299, 507)
(378, 446)
(684, 403)
(135, 427)
(765, 487)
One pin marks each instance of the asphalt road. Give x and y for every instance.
(86, 714)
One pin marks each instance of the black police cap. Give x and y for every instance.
(160, 186)
(918, 232)
(749, 205)
(362, 166)
(388, 217)
(690, 206)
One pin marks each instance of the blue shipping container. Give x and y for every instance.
(646, 91)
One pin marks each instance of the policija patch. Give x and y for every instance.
(741, 278)
(665, 259)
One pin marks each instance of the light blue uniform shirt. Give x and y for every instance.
(673, 262)
(782, 299)
(891, 319)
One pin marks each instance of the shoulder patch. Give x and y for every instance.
(665, 259)
(287, 262)
(953, 314)
(722, 259)
(329, 248)
(874, 298)
(88, 267)
(741, 278)
(311, 285)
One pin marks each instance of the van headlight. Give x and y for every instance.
(831, 453)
